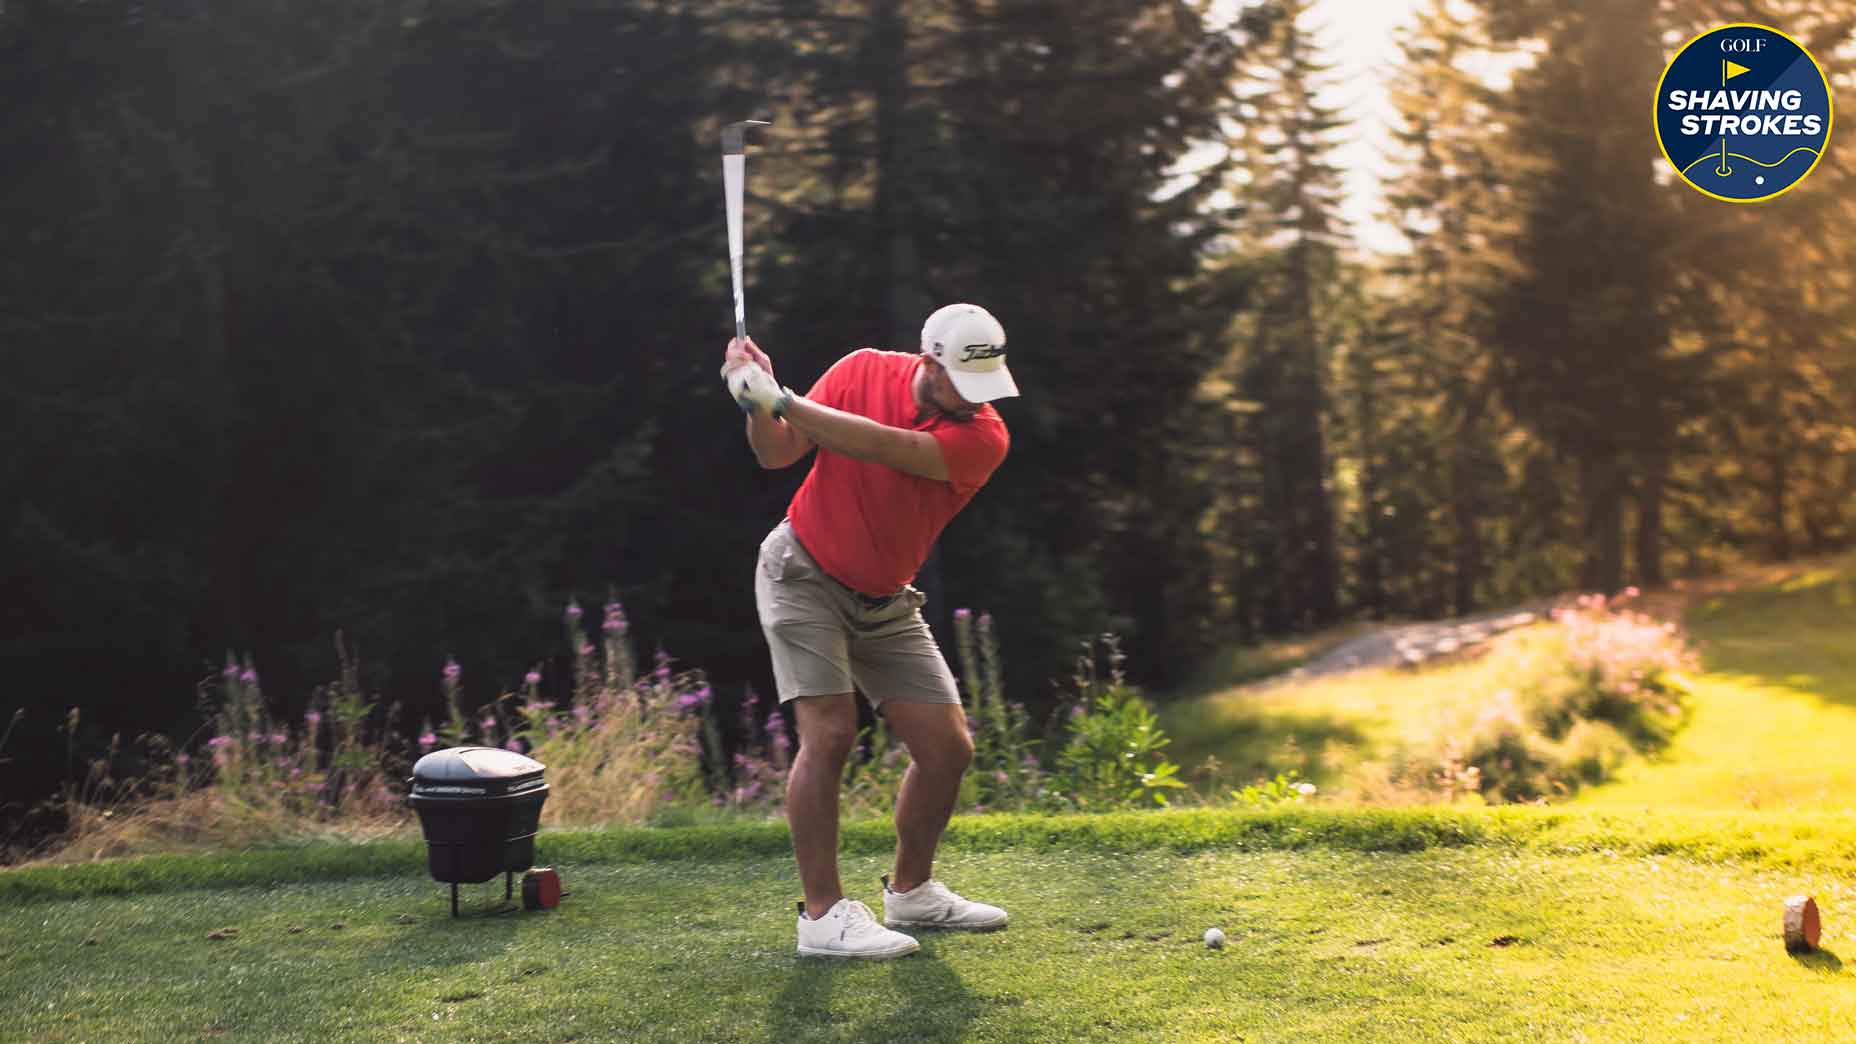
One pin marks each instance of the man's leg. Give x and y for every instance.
(827, 728)
(940, 749)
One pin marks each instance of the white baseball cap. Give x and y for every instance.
(970, 344)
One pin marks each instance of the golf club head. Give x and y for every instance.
(731, 135)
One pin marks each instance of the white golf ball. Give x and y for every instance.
(1214, 938)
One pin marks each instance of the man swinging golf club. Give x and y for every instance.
(904, 440)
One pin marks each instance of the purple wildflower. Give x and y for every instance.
(182, 760)
(426, 739)
(615, 618)
(532, 678)
(231, 671)
(963, 614)
(690, 701)
(574, 611)
(249, 676)
(279, 739)
(1001, 778)
(514, 744)
(219, 741)
(581, 714)
(312, 719)
(452, 670)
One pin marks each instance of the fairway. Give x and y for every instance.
(1775, 714)
(1483, 943)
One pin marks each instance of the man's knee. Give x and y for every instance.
(950, 751)
(828, 734)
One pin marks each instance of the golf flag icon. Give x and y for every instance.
(1731, 69)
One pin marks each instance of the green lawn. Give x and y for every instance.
(1775, 713)
(1478, 943)
(1648, 910)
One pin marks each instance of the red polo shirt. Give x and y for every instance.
(870, 525)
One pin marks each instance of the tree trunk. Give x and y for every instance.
(1372, 558)
(1650, 492)
(1777, 493)
(905, 302)
(1604, 525)
(1467, 555)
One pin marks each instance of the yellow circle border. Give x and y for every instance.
(1830, 111)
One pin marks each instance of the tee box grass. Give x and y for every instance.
(1646, 910)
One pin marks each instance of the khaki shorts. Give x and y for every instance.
(826, 638)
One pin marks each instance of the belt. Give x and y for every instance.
(867, 601)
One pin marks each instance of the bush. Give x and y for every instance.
(1599, 685)
(1287, 788)
(1115, 754)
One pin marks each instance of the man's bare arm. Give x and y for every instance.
(776, 444)
(861, 438)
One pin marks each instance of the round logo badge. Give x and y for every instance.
(1743, 113)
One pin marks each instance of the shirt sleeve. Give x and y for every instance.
(972, 451)
(829, 389)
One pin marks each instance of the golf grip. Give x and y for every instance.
(734, 168)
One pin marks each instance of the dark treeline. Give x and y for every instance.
(403, 322)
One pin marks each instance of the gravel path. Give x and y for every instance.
(1412, 644)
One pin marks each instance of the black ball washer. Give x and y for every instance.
(480, 808)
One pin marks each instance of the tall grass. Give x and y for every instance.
(255, 779)
(629, 747)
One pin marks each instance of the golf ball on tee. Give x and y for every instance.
(1214, 938)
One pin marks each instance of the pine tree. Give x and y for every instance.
(1449, 198)
(1292, 241)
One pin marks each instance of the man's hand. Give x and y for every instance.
(743, 351)
(755, 389)
(749, 375)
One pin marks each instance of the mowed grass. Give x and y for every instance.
(1648, 909)
(1774, 723)
(1477, 943)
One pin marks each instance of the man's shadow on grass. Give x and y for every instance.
(936, 1006)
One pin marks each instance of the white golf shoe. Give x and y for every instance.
(932, 904)
(849, 929)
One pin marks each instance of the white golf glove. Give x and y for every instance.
(755, 389)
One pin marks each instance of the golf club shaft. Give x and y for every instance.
(734, 170)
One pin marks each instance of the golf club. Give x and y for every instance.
(734, 176)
